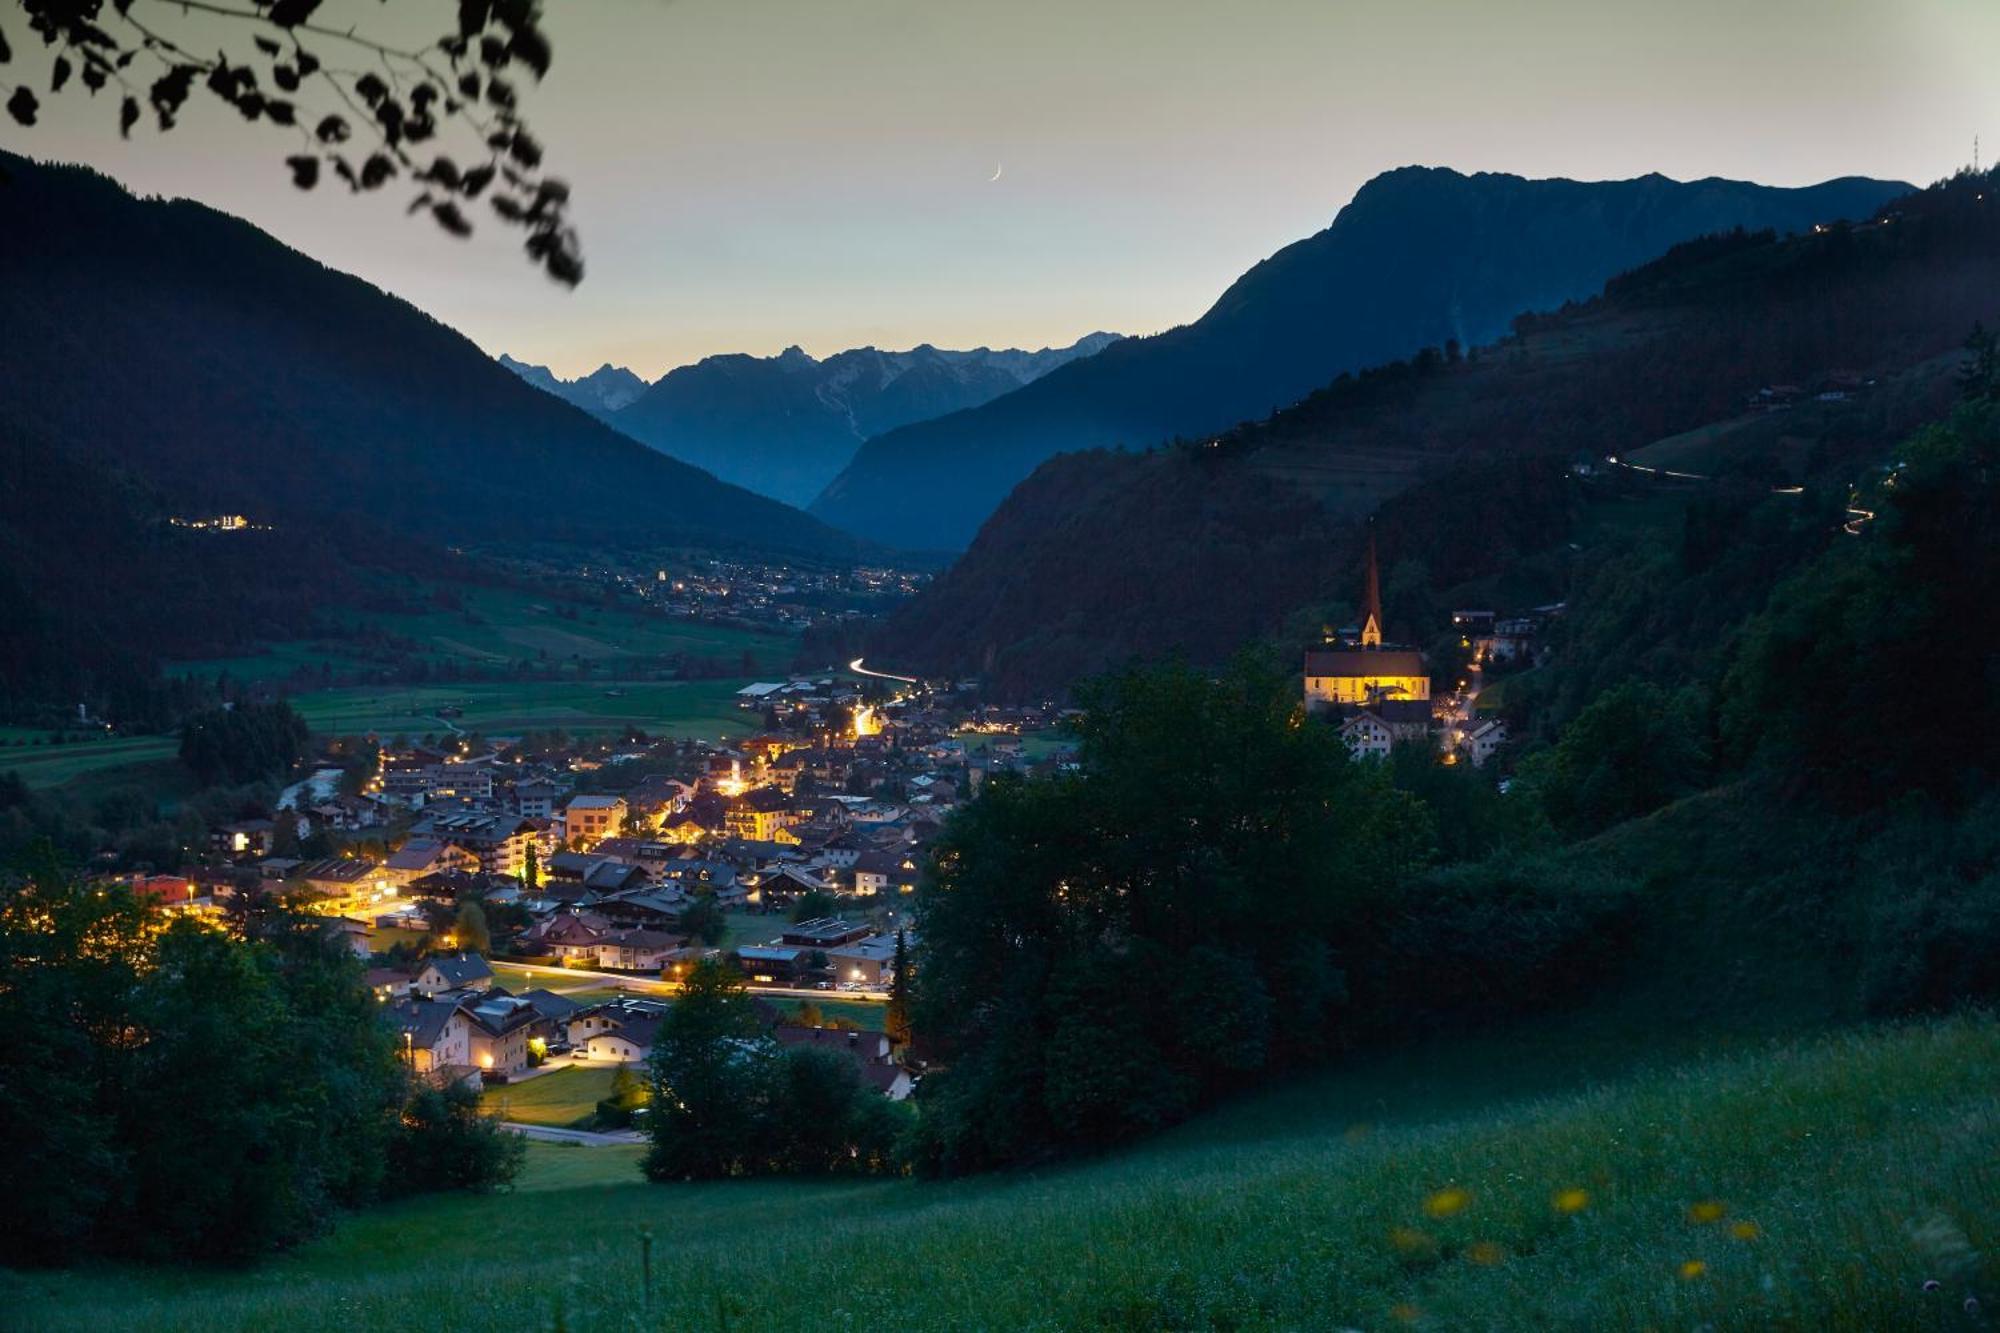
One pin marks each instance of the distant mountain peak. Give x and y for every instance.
(605, 389)
(785, 425)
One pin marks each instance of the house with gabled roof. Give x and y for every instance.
(435, 1034)
(445, 972)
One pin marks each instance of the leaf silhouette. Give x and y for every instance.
(305, 170)
(22, 106)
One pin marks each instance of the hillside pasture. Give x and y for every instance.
(662, 708)
(1487, 1185)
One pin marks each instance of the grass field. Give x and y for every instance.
(560, 1098)
(863, 1014)
(1479, 1186)
(678, 708)
(501, 625)
(58, 765)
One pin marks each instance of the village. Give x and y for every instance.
(527, 904)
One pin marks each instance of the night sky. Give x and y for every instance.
(755, 173)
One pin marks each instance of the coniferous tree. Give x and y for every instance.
(896, 1021)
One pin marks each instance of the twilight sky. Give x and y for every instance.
(754, 173)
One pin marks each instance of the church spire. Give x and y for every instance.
(1371, 624)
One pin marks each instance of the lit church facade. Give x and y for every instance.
(1361, 672)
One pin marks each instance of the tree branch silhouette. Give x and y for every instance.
(458, 90)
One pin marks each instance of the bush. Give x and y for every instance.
(444, 1143)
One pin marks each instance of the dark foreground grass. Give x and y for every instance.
(1817, 1186)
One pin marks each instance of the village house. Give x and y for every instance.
(639, 950)
(536, 800)
(588, 819)
(1372, 732)
(571, 938)
(760, 815)
(425, 856)
(498, 1032)
(868, 962)
(1484, 740)
(441, 973)
(618, 1031)
(436, 1035)
(497, 843)
(246, 837)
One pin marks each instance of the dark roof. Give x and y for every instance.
(766, 799)
(458, 968)
(549, 1004)
(1365, 662)
(424, 1020)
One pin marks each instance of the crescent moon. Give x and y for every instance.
(997, 169)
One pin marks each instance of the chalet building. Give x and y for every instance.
(1373, 731)
(498, 1031)
(436, 1035)
(497, 843)
(618, 1031)
(760, 815)
(587, 819)
(536, 800)
(420, 857)
(442, 973)
(1484, 740)
(869, 962)
(1364, 671)
(246, 837)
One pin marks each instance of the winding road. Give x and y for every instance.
(860, 670)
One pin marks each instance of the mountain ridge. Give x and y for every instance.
(1100, 556)
(1420, 255)
(784, 425)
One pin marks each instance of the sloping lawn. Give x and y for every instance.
(1811, 1186)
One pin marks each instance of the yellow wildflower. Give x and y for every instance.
(1447, 1202)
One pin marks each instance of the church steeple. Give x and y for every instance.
(1371, 624)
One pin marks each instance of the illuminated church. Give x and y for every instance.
(1359, 671)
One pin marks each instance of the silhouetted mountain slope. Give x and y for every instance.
(1102, 556)
(1419, 257)
(785, 425)
(232, 374)
(162, 360)
(602, 391)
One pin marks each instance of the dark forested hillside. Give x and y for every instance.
(1103, 556)
(236, 375)
(164, 361)
(1421, 257)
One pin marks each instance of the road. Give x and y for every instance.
(860, 670)
(654, 986)
(619, 1138)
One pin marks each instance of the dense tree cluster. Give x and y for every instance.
(727, 1100)
(244, 742)
(1106, 951)
(172, 1091)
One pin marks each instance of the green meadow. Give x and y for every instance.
(561, 1098)
(700, 708)
(496, 626)
(48, 765)
(1477, 1185)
